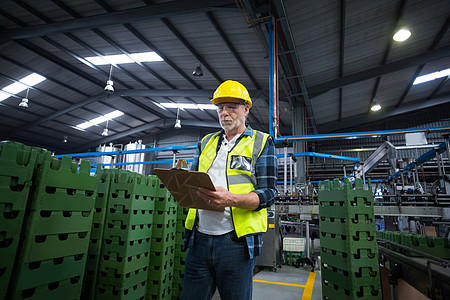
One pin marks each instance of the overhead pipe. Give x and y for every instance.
(273, 125)
(94, 154)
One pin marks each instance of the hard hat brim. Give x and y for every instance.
(219, 100)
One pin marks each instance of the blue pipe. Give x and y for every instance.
(367, 181)
(271, 81)
(153, 162)
(350, 135)
(354, 159)
(93, 154)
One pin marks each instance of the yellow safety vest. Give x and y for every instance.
(241, 179)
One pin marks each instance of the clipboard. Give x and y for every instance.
(183, 184)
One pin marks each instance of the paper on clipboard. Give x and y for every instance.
(183, 184)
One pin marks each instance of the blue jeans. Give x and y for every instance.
(218, 261)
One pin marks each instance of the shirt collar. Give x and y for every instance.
(248, 131)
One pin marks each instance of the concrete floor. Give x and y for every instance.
(287, 283)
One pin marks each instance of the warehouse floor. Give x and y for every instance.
(285, 284)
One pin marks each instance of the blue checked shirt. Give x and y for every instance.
(266, 170)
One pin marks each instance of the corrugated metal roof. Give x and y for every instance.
(184, 33)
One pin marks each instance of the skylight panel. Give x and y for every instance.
(189, 106)
(124, 59)
(432, 76)
(98, 120)
(146, 56)
(32, 79)
(15, 88)
(21, 85)
(4, 96)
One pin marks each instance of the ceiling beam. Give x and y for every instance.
(387, 112)
(288, 43)
(120, 135)
(158, 123)
(433, 46)
(233, 51)
(199, 58)
(409, 62)
(156, 11)
(438, 88)
(206, 93)
(387, 52)
(191, 49)
(342, 54)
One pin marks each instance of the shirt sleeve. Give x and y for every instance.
(266, 171)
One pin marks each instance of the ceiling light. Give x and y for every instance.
(177, 124)
(65, 139)
(375, 107)
(105, 131)
(402, 34)
(124, 59)
(178, 121)
(109, 83)
(24, 102)
(198, 71)
(432, 76)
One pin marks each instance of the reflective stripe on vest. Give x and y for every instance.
(240, 180)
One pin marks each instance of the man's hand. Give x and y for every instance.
(221, 198)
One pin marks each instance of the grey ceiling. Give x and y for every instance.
(335, 57)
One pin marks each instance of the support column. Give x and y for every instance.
(299, 129)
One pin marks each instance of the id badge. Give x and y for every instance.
(241, 163)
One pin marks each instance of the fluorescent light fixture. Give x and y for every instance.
(98, 120)
(432, 76)
(402, 34)
(189, 106)
(124, 59)
(21, 85)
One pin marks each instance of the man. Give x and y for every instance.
(225, 240)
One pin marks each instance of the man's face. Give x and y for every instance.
(232, 115)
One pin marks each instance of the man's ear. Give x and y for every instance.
(246, 109)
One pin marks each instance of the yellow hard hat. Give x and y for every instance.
(231, 91)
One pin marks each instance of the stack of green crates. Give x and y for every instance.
(97, 229)
(348, 245)
(52, 258)
(127, 236)
(180, 255)
(161, 267)
(17, 163)
(436, 246)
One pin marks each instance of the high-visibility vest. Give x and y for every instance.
(241, 179)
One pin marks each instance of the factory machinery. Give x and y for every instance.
(408, 219)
